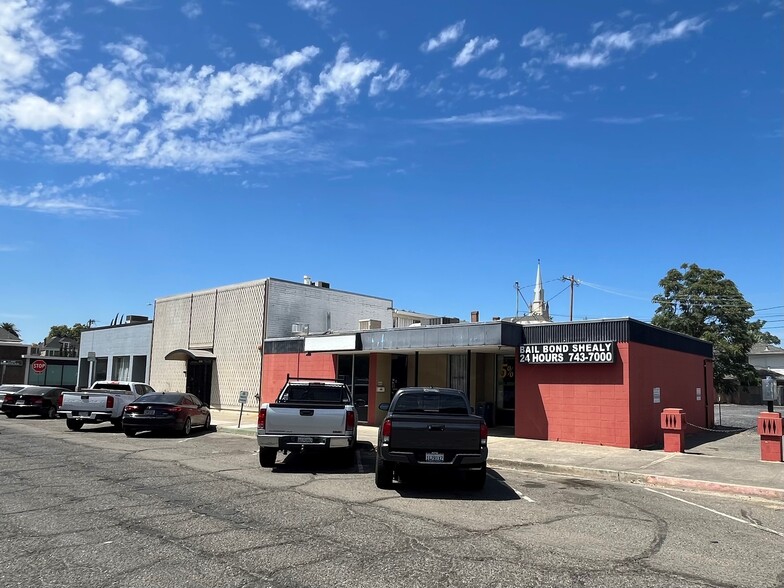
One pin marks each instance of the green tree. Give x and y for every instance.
(11, 328)
(703, 303)
(74, 332)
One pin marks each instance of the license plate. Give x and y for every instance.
(20, 402)
(149, 412)
(304, 439)
(434, 456)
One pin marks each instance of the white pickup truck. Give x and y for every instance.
(308, 414)
(103, 401)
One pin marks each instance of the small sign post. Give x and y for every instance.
(769, 392)
(243, 400)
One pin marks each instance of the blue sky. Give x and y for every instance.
(429, 152)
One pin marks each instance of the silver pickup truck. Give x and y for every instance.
(103, 401)
(308, 414)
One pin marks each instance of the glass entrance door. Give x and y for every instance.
(354, 371)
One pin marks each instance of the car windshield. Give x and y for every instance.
(108, 386)
(421, 402)
(157, 398)
(315, 393)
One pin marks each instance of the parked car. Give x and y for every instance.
(165, 411)
(40, 400)
(101, 402)
(431, 428)
(9, 389)
(308, 414)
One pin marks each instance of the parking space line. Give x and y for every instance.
(736, 519)
(515, 490)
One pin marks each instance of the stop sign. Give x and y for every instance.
(39, 366)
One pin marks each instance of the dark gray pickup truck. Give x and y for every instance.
(431, 427)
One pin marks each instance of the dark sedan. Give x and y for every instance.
(40, 400)
(165, 411)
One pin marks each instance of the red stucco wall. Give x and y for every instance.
(298, 365)
(678, 375)
(583, 403)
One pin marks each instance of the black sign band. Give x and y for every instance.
(550, 353)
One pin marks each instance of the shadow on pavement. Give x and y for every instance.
(360, 460)
(702, 437)
(451, 485)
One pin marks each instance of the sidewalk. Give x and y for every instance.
(726, 464)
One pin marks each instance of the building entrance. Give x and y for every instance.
(199, 379)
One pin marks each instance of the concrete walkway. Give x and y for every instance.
(722, 462)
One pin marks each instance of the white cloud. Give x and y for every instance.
(342, 79)
(99, 100)
(536, 39)
(503, 115)
(629, 120)
(393, 81)
(55, 200)
(448, 35)
(295, 59)
(318, 9)
(9, 248)
(85, 181)
(191, 9)
(607, 45)
(24, 44)
(495, 73)
(474, 49)
(119, 2)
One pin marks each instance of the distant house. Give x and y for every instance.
(768, 360)
(52, 363)
(12, 362)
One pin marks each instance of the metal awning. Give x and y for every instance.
(186, 354)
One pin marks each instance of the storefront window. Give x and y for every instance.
(505, 387)
(121, 368)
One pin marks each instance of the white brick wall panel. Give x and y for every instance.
(170, 331)
(238, 334)
(299, 303)
(202, 320)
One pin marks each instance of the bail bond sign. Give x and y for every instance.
(538, 353)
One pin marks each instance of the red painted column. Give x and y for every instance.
(673, 423)
(769, 426)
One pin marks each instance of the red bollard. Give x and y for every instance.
(769, 428)
(673, 423)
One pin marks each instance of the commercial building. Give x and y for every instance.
(13, 362)
(601, 382)
(208, 343)
(116, 352)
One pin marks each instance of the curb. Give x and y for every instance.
(643, 479)
(234, 430)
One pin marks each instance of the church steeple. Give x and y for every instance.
(539, 307)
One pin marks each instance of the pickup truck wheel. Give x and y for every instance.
(51, 412)
(383, 474)
(475, 479)
(116, 423)
(267, 457)
(10, 415)
(186, 427)
(73, 424)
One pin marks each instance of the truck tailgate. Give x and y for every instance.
(92, 402)
(439, 433)
(306, 419)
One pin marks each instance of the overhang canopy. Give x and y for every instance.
(186, 354)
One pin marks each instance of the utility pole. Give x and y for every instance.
(517, 299)
(572, 283)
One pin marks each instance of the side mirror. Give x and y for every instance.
(359, 402)
(384, 406)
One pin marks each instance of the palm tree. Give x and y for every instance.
(11, 328)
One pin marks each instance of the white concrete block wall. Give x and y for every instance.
(203, 320)
(239, 328)
(170, 331)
